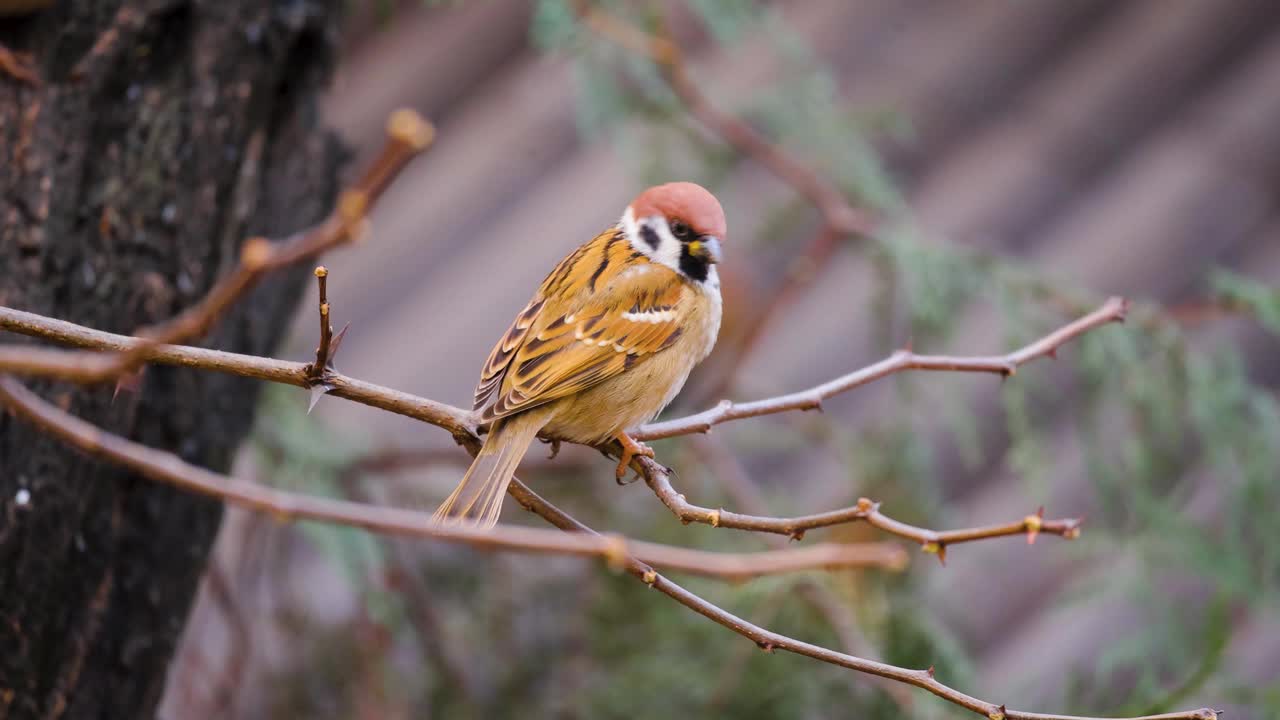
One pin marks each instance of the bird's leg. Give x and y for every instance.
(630, 449)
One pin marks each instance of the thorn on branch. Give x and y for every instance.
(929, 672)
(129, 382)
(765, 646)
(997, 714)
(935, 547)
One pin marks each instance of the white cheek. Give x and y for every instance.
(668, 250)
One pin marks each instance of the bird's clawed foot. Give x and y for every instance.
(630, 449)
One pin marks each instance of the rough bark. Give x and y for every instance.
(127, 184)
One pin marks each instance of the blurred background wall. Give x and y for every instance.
(1025, 158)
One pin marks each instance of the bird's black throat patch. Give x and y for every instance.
(696, 268)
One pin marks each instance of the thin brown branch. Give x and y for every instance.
(770, 641)
(407, 135)
(287, 506)
(324, 350)
(461, 423)
(620, 553)
(1113, 310)
(742, 491)
(29, 361)
(318, 372)
(659, 480)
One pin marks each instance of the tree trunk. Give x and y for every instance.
(141, 144)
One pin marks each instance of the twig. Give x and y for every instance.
(287, 506)
(44, 362)
(408, 135)
(327, 350)
(35, 362)
(769, 641)
(462, 423)
(324, 354)
(1113, 310)
(737, 484)
(620, 553)
(934, 541)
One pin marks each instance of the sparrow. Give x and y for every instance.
(605, 344)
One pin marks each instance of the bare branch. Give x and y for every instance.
(770, 641)
(29, 361)
(318, 372)
(462, 423)
(324, 351)
(659, 480)
(286, 506)
(408, 135)
(620, 553)
(1113, 310)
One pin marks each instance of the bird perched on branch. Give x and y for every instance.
(606, 342)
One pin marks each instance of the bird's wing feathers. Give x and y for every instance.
(496, 366)
(565, 342)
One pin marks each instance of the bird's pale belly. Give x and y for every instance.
(635, 397)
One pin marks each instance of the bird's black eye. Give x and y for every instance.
(682, 231)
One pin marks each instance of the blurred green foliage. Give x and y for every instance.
(1151, 411)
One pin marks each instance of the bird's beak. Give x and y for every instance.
(707, 248)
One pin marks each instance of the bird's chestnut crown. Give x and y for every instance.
(679, 224)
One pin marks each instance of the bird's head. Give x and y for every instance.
(680, 225)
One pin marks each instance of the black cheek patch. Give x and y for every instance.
(650, 236)
(692, 266)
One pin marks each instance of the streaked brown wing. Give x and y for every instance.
(636, 314)
(559, 283)
(496, 366)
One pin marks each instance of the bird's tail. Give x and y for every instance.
(478, 498)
